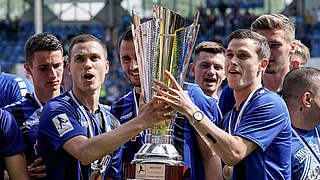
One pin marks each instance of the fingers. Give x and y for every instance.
(163, 93)
(36, 162)
(173, 81)
(35, 170)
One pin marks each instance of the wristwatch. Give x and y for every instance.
(196, 117)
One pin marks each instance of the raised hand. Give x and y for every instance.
(175, 96)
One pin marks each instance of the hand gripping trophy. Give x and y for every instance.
(162, 43)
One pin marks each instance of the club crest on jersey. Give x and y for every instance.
(62, 124)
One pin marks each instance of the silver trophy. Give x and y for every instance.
(162, 43)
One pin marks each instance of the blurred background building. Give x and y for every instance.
(107, 19)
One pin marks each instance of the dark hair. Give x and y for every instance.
(40, 42)
(210, 47)
(263, 50)
(275, 21)
(300, 80)
(83, 38)
(126, 36)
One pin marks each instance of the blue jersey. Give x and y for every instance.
(227, 100)
(63, 118)
(11, 141)
(185, 135)
(185, 140)
(304, 166)
(27, 113)
(13, 88)
(265, 121)
(125, 109)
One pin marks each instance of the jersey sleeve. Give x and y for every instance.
(60, 122)
(11, 141)
(263, 120)
(20, 87)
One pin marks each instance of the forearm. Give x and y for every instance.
(89, 150)
(231, 149)
(16, 166)
(211, 161)
(226, 146)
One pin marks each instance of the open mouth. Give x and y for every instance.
(88, 76)
(134, 73)
(234, 72)
(210, 80)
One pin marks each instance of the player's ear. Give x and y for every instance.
(27, 67)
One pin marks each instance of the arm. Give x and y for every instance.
(16, 166)
(87, 150)
(211, 161)
(231, 149)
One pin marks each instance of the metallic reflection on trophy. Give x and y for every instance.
(162, 43)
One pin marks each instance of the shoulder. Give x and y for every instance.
(124, 100)
(59, 105)
(24, 102)
(15, 79)
(269, 106)
(268, 99)
(7, 122)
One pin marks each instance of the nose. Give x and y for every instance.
(211, 70)
(134, 64)
(52, 73)
(88, 64)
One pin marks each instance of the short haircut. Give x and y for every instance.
(301, 80)
(41, 42)
(83, 38)
(275, 21)
(210, 47)
(263, 50)
(126, 36)
(301, 52)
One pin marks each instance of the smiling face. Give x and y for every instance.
(88, 66)
(129, 62)
(208, 71)
(243, 66)
(46, 71)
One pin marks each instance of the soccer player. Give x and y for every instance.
(279, 31)
(78, 137)
(44, 62)
(186, 141)
(256, 140)
(303, 100)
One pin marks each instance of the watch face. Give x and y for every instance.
(198, 116)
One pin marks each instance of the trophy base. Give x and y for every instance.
(156, 172)
(151, 153)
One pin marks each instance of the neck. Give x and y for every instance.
(241, 95)
(298, 120)
(46, 96)
(273, 81)
(88, 99)
(212, 94)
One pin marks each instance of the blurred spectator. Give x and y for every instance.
(308, 21)
(222, 8)
(318, 16)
